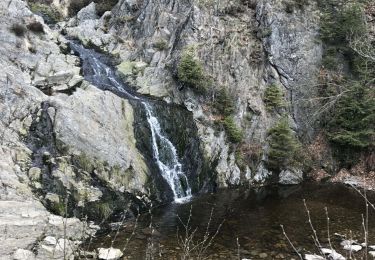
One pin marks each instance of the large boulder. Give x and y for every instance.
(291, 177)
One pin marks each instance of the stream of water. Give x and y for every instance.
(164, 152)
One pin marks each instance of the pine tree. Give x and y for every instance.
(283, 146)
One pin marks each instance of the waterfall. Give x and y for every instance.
(167, 160)
(164, 152)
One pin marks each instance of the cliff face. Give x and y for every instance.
(244, 47)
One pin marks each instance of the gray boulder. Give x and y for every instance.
(291, 177)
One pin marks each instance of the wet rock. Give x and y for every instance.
(263, 255)
(109, 253)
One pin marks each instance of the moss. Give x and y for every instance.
(273, 97)
(190, 71)
(235, 134)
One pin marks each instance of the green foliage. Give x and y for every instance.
(160, 45)
(104, 209)
(340, 22)
(273, 97)
(234, 133)
(47, 11)
(349, 124)
(190, 71)
(58, 208)
(284, 147)
(352, 122)
(224, 103)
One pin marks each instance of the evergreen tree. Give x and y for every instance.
(352, 121)
(284, 146)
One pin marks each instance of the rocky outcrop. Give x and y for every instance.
(65, 146)
(244, 48)
(290, 40)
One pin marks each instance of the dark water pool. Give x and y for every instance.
(251, 222)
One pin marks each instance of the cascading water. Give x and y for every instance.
(166, 157)
(164, 152)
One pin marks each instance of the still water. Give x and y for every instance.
(247, 223)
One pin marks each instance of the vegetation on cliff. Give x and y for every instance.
(347, 89)
(190, 71)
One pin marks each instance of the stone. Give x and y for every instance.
(263, 255)
(75, 80)
(291, 177)
(52, 198)
(347, 242)
(336, 256)
(354, 248)
(49, 240)
(109, 253)
(22, 254)
(34, 173)
(313, 257)
(87, 13)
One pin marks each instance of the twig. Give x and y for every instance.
(290, 242)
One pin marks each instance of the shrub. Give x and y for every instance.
(190, 71)
(160, 45)
(103, 6)
(36, 27)
(18, 29)
(76, 5)
(235, 134)
(273, 97)
(339, 23)
(284, 147)
(224, 103)
(47, 11)
(84, 162)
